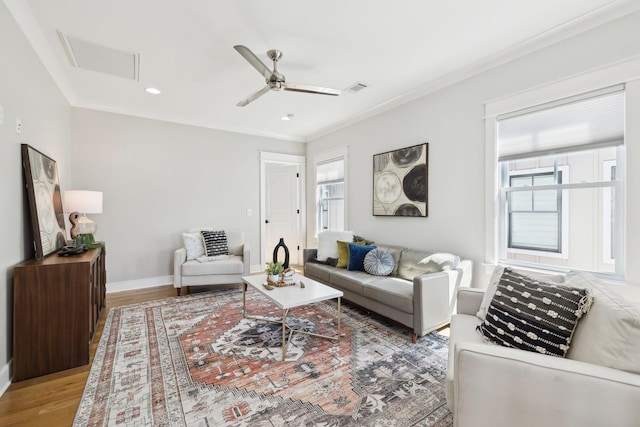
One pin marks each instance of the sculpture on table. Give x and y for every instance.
(281, 244)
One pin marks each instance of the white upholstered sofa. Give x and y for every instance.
(596, 385)
(229, 270)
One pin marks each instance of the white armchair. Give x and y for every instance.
(493, 386)
(216, 272)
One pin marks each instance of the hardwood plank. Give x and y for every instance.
(52, 400)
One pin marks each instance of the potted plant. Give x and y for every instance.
(273, 270)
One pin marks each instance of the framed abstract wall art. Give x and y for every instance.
(400, 185)
(45, 201)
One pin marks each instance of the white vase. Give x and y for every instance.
(274, 277)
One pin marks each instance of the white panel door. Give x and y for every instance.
(282, 211)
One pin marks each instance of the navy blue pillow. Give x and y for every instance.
(356, 256)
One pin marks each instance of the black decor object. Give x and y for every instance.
(281, 244)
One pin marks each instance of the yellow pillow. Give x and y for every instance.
(343, 252)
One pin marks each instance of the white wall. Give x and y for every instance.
(451, 120)
(28, 93)
(160, 179)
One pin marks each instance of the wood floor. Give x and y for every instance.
(52, 400)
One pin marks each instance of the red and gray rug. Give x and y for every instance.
(195, 361)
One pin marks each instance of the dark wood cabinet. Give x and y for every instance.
(57, 302)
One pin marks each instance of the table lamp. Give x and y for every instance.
(80, 203)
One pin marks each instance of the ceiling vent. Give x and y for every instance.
(356, 87)
(89, 55)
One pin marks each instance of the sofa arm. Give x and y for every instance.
(499, 386)
(179, 258)
(469, 300)
(431, 301)
(246, 259)
(309, 255)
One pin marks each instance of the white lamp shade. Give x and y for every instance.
(87, 202)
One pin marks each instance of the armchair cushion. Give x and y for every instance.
(230, 265)
(609, 335)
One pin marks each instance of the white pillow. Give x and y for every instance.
(609, 335)
(490, 292)
(441, 261)
(193, 244)
(328, 243)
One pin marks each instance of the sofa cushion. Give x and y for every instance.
(349, 280)
(231, 265)
(391, 291)
(356, 256)
(410, 264)
(533, 315)
(343, 252)
(193, 244)
(327, 243)
(379, 262)
(609, 335)
(215, 242)
(318, 271)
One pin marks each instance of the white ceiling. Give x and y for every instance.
(402, 50)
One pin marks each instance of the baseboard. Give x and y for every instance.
(5, 377)
(130, 285)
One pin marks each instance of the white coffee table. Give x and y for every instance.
(288, 297)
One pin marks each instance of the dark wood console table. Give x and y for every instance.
(57, 302)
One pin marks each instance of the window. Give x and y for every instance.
(535, 217)
(548, 217)
(330, 195)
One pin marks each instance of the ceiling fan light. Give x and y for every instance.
(153, 91)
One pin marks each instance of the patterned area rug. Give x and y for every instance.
(196, 361)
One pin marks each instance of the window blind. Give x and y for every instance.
(330, 172)
(583, 122)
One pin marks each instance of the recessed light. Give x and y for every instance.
(153, 91)
(287, 117)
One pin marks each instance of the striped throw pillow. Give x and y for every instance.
(532, 315)
(215, 242)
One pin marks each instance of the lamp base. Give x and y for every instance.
(81, 225)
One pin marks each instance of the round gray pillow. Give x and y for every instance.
(379, 262)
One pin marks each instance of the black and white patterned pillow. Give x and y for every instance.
(215, 242)
(532, 315)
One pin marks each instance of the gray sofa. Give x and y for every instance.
(414, 294)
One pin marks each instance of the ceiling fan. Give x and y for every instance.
(275, 80)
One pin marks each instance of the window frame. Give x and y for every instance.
(327, 157)
(624, 72)
(563, 214)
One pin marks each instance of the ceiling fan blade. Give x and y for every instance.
(257, 94)
(253, 60)
(296, 87)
